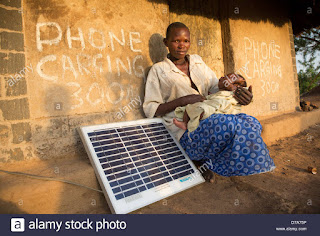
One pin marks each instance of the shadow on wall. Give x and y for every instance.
(50, 8)
(274, 11)
(57, 100)
(157, 52)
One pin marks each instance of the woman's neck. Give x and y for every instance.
(178, 62)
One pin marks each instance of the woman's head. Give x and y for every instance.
(231, 82)
(177, 39)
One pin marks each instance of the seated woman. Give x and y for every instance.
(221, 102)
(232, 144)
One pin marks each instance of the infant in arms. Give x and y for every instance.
(221, 102)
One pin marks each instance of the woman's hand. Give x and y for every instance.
(243, 96)
(190, 99)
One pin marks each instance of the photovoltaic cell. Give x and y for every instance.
(154, 156)
(132, 158)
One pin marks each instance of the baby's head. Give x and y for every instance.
(231, 82)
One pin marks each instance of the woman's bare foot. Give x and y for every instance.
(180, 124)
(207, 174)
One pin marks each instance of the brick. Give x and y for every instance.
(4, 135)
(16, 109)
(16, 154)
(11, 3)
(15, 86)
(3, 63)
(10, 19)
(12, 63)
(21, 132)
(16, 63)
(11, 41)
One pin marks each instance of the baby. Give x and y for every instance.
(221, 102)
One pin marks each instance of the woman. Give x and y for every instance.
(232, 143)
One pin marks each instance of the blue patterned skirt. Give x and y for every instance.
(230, 145)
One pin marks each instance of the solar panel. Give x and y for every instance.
(137, 163)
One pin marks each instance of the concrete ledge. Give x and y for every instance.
(287, 125)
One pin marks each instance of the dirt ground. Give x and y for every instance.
(289, 189)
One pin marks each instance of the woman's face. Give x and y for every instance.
(178, 42)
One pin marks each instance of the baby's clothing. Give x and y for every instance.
(221, 102)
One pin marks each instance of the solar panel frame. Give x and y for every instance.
(138, 200)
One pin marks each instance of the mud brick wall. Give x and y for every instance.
(67, 63)
(261, 46)
(15, 129)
